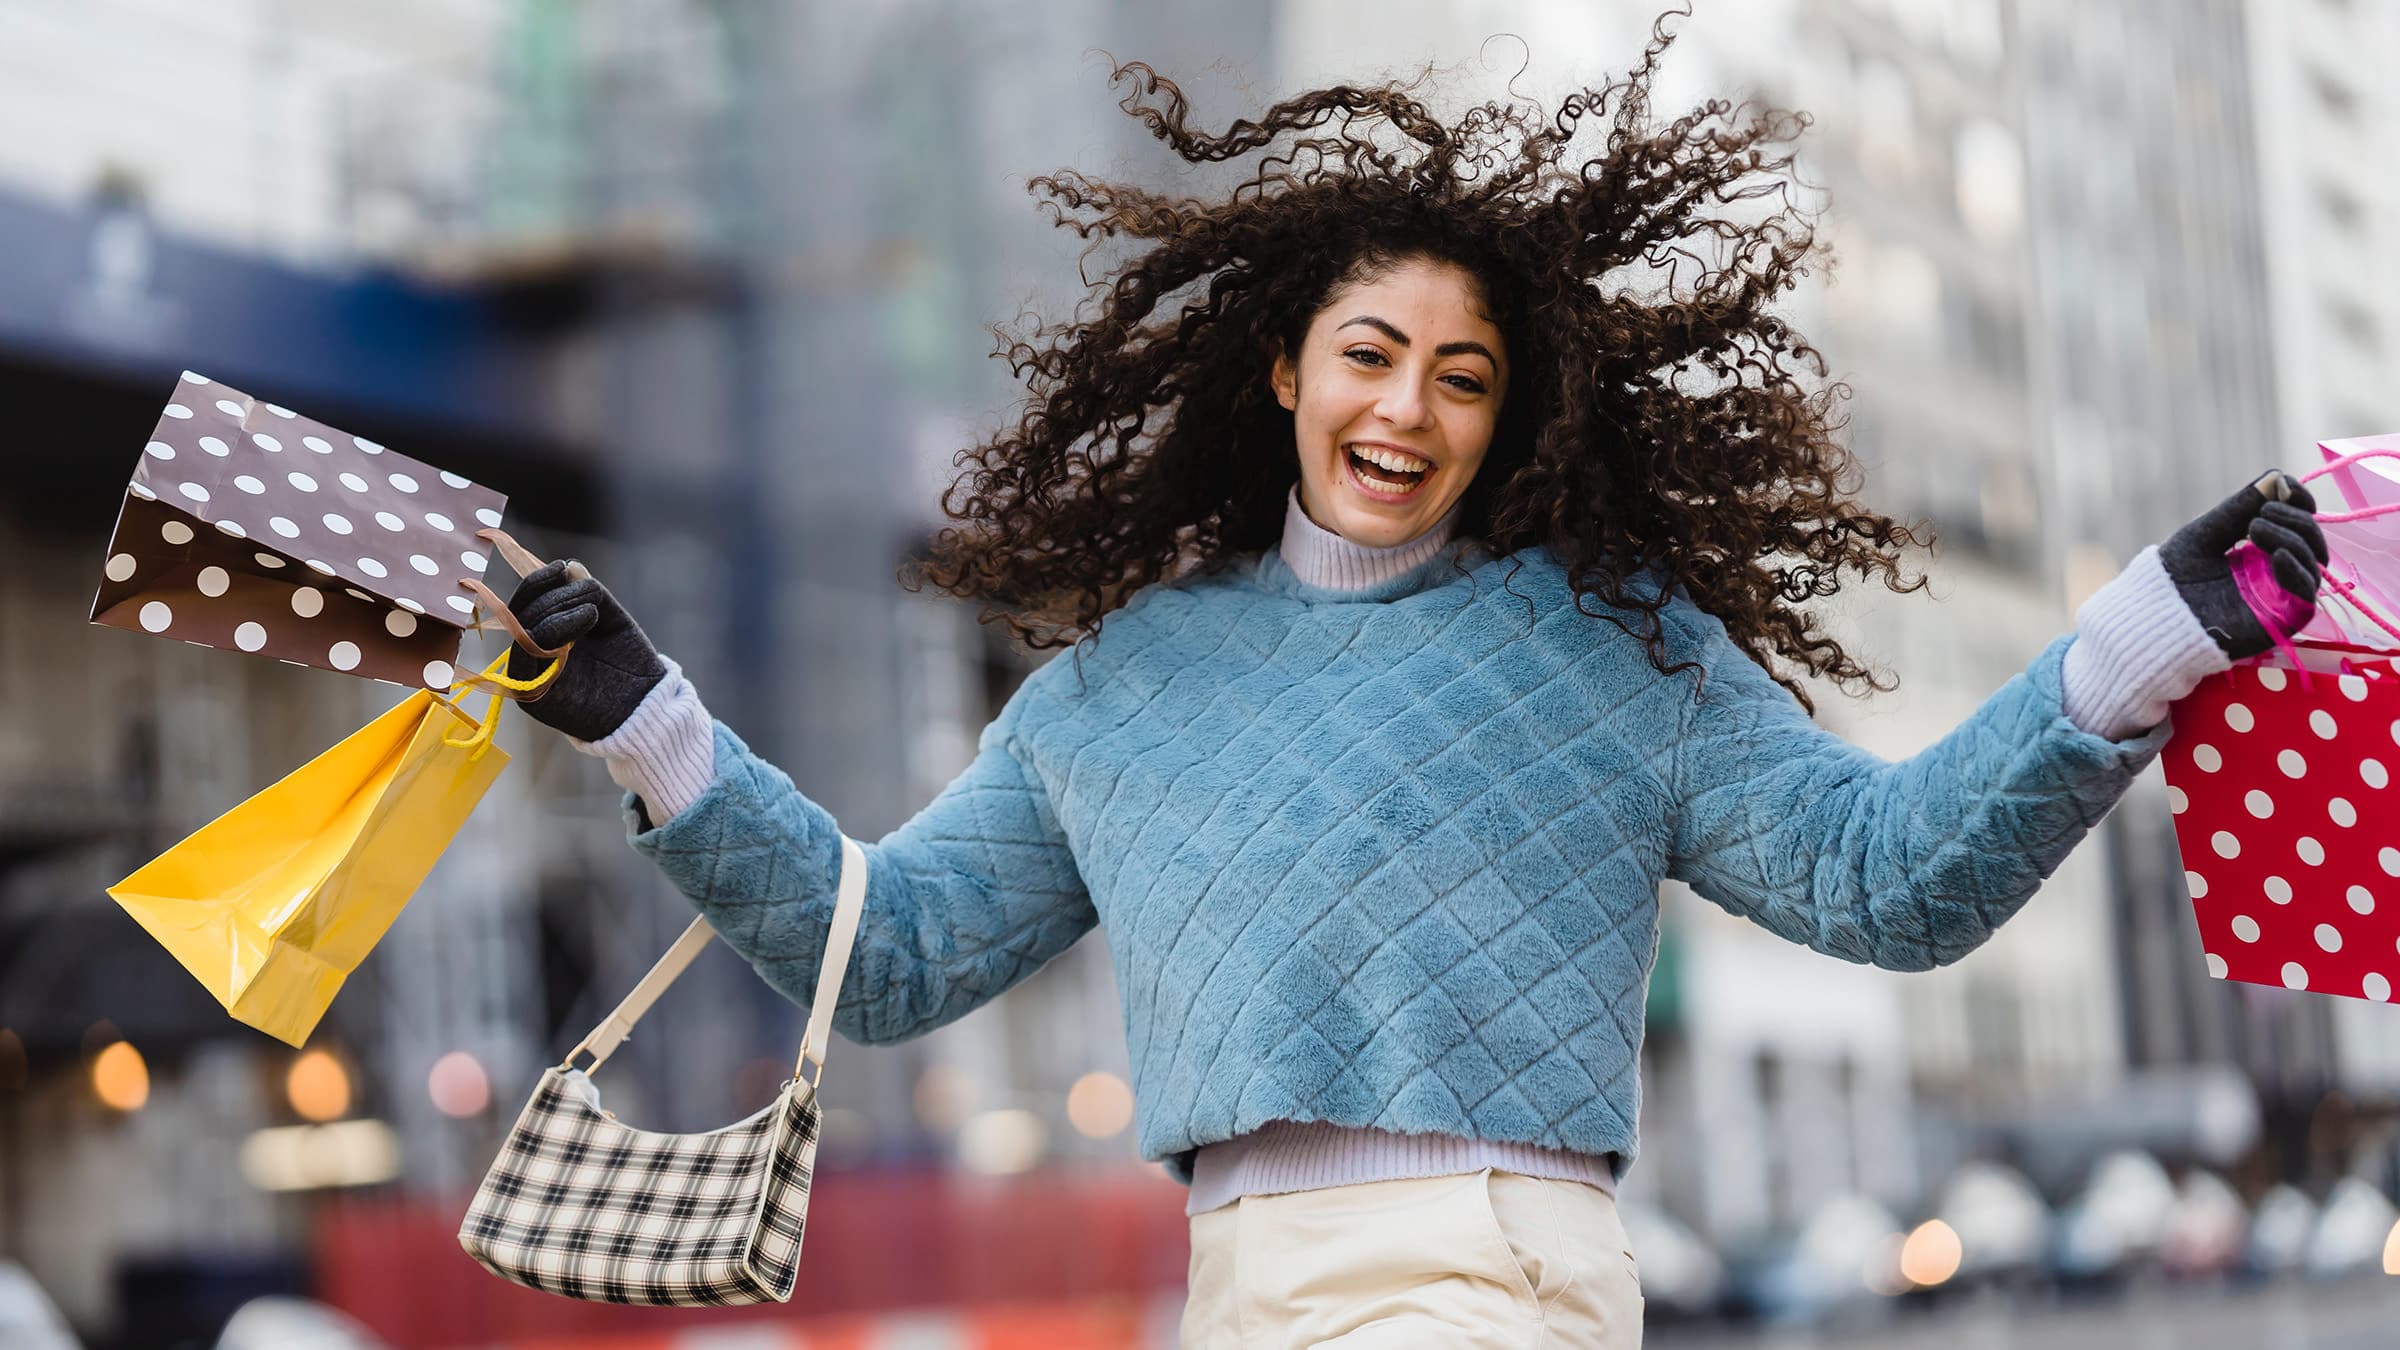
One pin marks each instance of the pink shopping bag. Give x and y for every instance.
(2364, 537)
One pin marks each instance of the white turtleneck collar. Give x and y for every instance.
(1319, 557)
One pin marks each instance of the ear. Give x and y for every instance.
(1285, 377)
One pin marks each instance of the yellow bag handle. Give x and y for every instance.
(493, 677)
(481, 737)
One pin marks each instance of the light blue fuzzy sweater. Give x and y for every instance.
(1390, 858)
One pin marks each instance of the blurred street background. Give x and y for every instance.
(705, 286)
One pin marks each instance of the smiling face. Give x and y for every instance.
(1394, 398)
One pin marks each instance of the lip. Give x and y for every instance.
(1375, 494)
(1391, 446)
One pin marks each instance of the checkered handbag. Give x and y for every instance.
(582, 1205)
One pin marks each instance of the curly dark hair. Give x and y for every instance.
(1655, 430)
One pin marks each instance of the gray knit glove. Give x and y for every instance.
(2277, 515)
(612, 668)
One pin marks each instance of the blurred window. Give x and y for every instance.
(2007, 505)
(2353, 419)
(1907, 292)
(1975, 30)
(2053, 60)
(1823, 84)
(2340, 100)
(2341, 205)
(1995, 1037)
(1990, 172)
(1992, 335)
(2353, 321)
(1887, 122)
(563, 919)
(1923, 23)
(1859, 1112)
(2100, 47)
(1774, 1158)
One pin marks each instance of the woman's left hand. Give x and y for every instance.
(2276, 514)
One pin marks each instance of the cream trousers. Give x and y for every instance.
(1485, 1259)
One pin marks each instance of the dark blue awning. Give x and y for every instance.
(101, 287)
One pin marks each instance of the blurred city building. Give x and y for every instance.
(2197, 287)
(2330, 245)
(2050, 304)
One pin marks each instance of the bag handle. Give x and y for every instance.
(614, 1028)
(850, 897)
(2344, 462)
(523, 561)
(2266, 599)
(850, 900)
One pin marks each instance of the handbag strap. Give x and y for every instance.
(850, 900)
(850, 897)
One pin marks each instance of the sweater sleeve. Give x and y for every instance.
(974, 893)
(1904, 865)
(2138, 648)
(665, 752)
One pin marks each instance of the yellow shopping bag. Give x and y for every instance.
(274, 903)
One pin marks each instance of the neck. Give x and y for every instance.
(1319, 557)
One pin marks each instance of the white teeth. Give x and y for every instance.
(1387, 489)
(1391, 459)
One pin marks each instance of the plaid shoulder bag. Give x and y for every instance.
(582, 1205)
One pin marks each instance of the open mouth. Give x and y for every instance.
(1381, 482)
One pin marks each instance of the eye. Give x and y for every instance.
(1464, 383)
(1366, 356)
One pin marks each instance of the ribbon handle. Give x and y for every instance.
(491, 678)
(2344, 462)
(2280, 612)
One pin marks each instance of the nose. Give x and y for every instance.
(1403, 405)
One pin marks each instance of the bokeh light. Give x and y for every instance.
(318, 1086)
(1100, 1105)
(120, 1077)
(999, 1143)
(945, 1096)
(458, 1085)
(1931, 1254)
(313, 1157)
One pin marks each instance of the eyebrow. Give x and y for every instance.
(1446, 349)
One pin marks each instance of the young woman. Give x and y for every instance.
(1452, 585)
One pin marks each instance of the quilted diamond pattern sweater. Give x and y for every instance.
(1390, 857)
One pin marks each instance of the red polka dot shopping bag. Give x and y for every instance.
(272, 904)
(2280, 770)
(2289, 824)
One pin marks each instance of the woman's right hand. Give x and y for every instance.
(613, 667)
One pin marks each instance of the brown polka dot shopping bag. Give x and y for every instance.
(272, 904)
(252, 528)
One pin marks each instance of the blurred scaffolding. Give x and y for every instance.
(704, 288)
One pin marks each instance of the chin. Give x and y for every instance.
(1374, 529)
